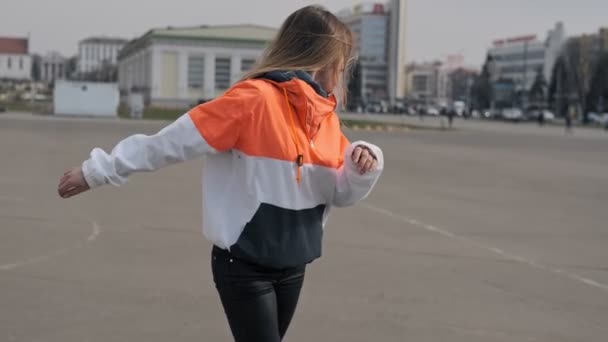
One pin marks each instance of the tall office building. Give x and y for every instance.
(519, 58)
(369, 22)
(397, 58)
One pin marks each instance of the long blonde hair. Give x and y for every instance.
(311, 39)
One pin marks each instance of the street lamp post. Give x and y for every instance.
(524, 91)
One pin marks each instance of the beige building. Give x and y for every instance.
(423, 81)
(177, 67)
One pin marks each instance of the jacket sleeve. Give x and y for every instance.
(351, 186)
(208, 128)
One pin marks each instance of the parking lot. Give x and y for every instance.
(490, 232)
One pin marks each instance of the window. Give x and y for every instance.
(247, 64)
(196, 72)
(530, 69)
(10, 62)
(420, 83)
(21, 63)
(521, 55)
(222, 73)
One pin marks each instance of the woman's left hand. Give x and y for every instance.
(364, 159)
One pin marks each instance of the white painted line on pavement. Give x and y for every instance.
(94, 234)
(498, 251)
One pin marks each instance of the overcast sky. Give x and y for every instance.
(435, 27)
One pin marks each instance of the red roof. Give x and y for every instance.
(14, 45)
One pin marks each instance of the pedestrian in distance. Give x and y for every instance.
(569, 116)
(451, 114)
(540, 118)
(276, 163)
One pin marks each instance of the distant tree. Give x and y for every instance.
(71, 67)
(460, 84)
(481, 92)
(579, 66)
(36, 60)
(354, 87)
(577, 76)
(108, 72)
(597, 98)
(538, 90)
(560, 87)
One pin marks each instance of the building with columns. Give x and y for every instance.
(51, 67)
(177, 67)
(94, 52)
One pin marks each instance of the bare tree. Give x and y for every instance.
(538, 90)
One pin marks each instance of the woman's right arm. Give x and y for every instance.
(209, 128)
(179, 141)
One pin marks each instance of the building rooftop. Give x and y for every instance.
(104, 40)
(14, 45)
(223, 32)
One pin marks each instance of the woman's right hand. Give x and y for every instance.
(72, 183)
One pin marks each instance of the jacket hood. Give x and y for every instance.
(311, 103)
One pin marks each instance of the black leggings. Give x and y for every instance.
(259, 302)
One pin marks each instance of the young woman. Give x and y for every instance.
(276, 162)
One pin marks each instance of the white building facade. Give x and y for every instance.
(95, 51)
(15, 60)
(178, 67)
(52, 67)
(369, 24)
(519, 58)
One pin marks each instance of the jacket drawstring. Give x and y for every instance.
(300, 158)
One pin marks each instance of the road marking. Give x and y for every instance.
(92, 237)
(495, 250)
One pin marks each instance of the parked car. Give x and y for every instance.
(512, 114)
(373, 107)
(489, 114)
(397, 108)
(432, 111)
(599, 119)
(460, 107)
(547, 114)
(34, 96)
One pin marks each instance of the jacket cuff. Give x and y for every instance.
(91, 176)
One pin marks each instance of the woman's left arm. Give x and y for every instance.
(363, 165)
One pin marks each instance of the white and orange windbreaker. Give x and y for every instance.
(276, 162)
